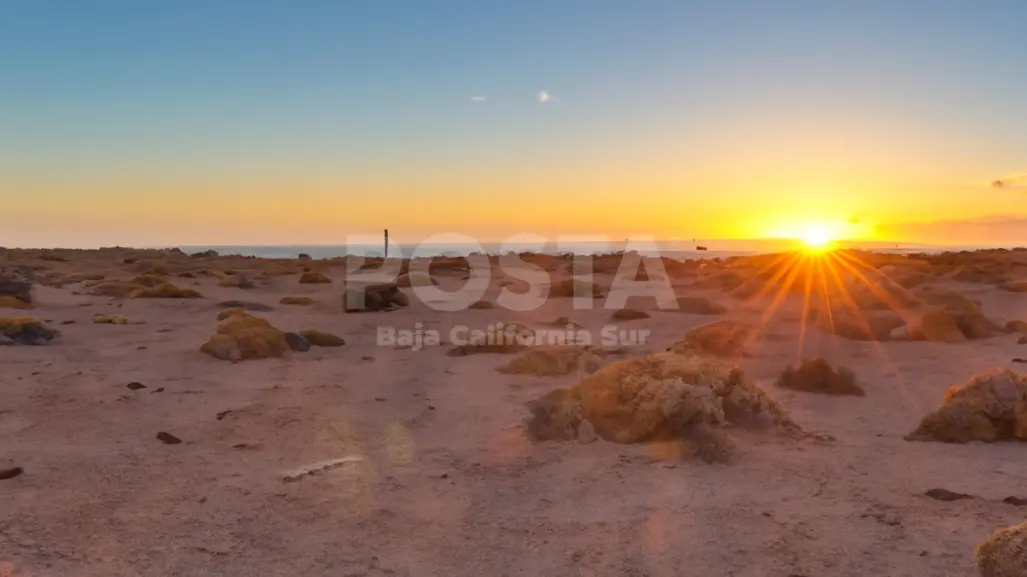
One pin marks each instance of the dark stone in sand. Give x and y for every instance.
(946, 495)
(1018, 501)
(364, 297)
(245, 305)
(297, 343)
(10, 473)
(135, 386)
(224, 414)
(168, 438)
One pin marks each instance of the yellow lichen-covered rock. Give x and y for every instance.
(110, 320)
(9, 302)
(242, 336)
(321, 338)
(725, 339)
(26, 330)
(165, 291)
(314, 277)
(992, 406)
(301, 301)
(1004, 554)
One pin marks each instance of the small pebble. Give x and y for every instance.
(168, 438)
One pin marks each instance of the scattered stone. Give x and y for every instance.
(26, 331)
(168, 438)
(245, 305)
(380, 399)
(297, 342)
(367, 358)
(1004, 554)
(313, 469)
(10, 473)
(134, 386)
(816, 375)
(586, 432)
(301, 301)
(1018, 501)
(222, 414)
(480, 305)
(629, 315)
(110, 320)
(158, 390)
(992, 406)
(67, 322)
(946, 495)
(304, 256)
(1019, 360)
(321, 338)
(363, 297)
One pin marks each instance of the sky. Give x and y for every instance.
(269, 122)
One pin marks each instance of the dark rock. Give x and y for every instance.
(67, 322)
(297, 343)
(1019, 502)
(10, 473)
(135, 386)
(205, 254)
(364, 297)
(245, 305)
(168, 438)
(224, 414)
(946, 495)
(158, 390)
(304, 256)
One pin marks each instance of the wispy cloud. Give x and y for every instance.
(1011, 182)
(544, 96)
(477, 99)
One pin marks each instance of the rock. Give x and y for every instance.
(700, 306)
(110, 320)
(314, 277)
(69, 322)
(301, 301)
(1018, 501)
(816, 375)
(303, 256)
(241, 336)
(245, 305)
(205, 254)
(899, 333)
(315, 468)
(1004, 554)
(586, 432)
(629, 315)
(26, 331)
(365, 297)
(6, 341)
(134, 386)
(10, 473)
(168, 438)
(222, 414)
(946, 495)
(415, 279)
(322, 339)
(480, 305)
(297, 342)
(992, 406)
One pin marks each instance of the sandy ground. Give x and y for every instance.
(449, 483)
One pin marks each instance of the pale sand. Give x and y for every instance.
(448, 484)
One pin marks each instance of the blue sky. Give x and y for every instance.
(334, 98)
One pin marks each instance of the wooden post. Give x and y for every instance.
(386, 243)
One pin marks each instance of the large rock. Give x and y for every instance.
(1004, 554)
(992, 406)
(365, 297)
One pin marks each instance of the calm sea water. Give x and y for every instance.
(671, 249)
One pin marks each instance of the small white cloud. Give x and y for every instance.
(478, 99)
(544, 96)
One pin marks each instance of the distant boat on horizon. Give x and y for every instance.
(701, 248)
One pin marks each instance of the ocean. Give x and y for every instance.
(676, 249)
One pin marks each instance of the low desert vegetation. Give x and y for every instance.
(724, 339)
(816, 375)
(110, 320)
(242, 336)
(991, 406)
(314, 277)
(575, 287)
(1004, 554)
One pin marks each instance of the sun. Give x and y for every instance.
(816, 238)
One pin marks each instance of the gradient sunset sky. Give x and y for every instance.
(254, 122)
